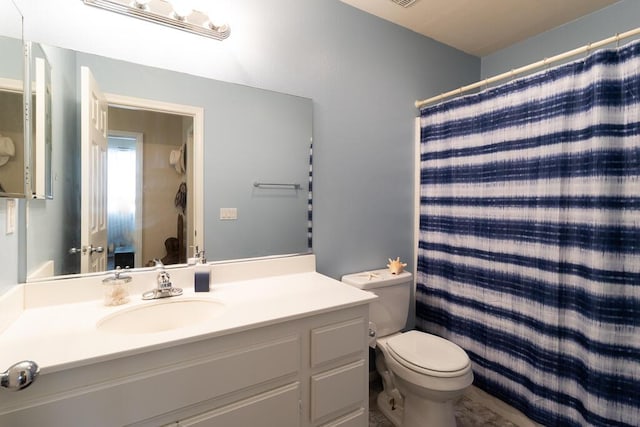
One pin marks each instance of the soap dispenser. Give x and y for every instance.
(201, 272)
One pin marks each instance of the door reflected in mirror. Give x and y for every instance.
(133, 160)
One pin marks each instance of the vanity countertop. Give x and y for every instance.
(64, 336)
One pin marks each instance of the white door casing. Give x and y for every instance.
(94, 145)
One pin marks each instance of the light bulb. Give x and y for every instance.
(141, 4)
(181, 9)
(217, 25)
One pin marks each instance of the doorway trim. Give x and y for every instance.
(195, 235)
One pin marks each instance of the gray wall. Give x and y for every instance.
(362, 73)
(617, 18)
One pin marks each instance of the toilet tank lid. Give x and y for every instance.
(375, 278)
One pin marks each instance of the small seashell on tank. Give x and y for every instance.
(395, 266)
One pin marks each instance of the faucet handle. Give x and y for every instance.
(164, 280)
(117, 275)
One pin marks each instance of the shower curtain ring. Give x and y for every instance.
(617, 40)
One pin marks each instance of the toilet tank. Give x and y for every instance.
(389, 312)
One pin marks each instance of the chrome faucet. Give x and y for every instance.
(164, 287)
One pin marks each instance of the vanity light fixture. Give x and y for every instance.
(175, 14)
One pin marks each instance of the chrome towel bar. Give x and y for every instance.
(275, 184)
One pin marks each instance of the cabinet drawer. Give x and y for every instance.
(276, 408)
(338, 389)
(337, 340)
(164, 389)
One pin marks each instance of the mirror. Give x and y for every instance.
(13, 155)
(40, 118)
(255, 158)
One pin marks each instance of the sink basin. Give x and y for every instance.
(159, 316)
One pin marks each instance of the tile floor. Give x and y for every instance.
(469, 412)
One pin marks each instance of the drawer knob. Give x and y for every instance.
(20, 375)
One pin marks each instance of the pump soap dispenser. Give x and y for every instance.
(201, 273)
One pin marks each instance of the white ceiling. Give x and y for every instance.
(480, 27)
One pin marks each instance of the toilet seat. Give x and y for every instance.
(428, 354)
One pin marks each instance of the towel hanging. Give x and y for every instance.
(181, 197)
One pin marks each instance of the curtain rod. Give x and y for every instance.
(530, 67)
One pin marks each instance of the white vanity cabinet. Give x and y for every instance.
(306, 370)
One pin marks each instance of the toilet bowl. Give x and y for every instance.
(430, 373)
(422, 374)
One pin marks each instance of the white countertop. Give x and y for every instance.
(63, 336)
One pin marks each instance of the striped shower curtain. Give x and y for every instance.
(529, 249)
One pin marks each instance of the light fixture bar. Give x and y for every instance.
(162, 12)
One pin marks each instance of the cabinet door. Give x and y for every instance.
(338, 340)
(337, 390)
(275, 408)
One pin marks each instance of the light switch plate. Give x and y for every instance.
(228, 213)
(11, 216)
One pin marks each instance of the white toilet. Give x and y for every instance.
(422, 374)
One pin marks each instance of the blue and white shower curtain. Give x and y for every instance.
(529, 249)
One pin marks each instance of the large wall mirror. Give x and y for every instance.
(250, 199)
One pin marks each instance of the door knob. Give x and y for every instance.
(73, 251)
(92, 249)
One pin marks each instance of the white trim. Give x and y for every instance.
(196, 160)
